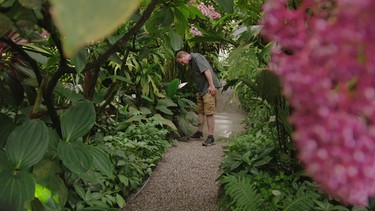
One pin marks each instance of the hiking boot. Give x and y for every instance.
(197, 135)
(209, 141)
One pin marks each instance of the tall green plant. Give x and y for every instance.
(32, 145)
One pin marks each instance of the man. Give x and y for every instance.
(208, 85)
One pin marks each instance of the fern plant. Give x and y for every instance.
(242, 193)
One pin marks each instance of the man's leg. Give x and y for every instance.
(201, 119)
(209, 110)
(211, 124)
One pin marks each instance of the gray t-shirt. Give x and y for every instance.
(199, 65)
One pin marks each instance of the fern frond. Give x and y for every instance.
(301, 203)
(242, 192)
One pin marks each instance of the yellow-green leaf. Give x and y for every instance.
(82, 21)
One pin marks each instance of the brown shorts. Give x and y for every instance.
(206, 104)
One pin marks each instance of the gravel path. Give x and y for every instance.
(185, 177)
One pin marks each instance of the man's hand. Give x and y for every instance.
(212, 90)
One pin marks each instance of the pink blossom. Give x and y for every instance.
(208, 11)
(325, 61)
(191, 2)
(195, 31)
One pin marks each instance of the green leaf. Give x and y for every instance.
(81, 22)
(172, 88)
(167, 102)
(154, 22)
(5, 25)
(120, 78)
(77, 120)
(120, 201)
(16, 189)
(226, 5)
(168, 17)
(80, 59)
(164, 109)
(4, 162)
(79, 190)
(166, 122)
(75, 156)
(27, 144)
(30, 4)
(175, 40)
(67, 93)
(46, 173)
(181, 22)
(46, 196)
(6, 126)
(102, 161)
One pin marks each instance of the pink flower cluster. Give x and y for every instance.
(324, 54)
(208, 11)
(191, 2)
(195, 31)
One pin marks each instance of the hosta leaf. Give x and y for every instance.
(27, 144)
(102, 161)
(77, 120)
(75, 156)
(81, 22)
(16, 188)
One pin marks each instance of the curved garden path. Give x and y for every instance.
(185, 177)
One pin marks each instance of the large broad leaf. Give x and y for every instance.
(102, 161)
(27, 144)
(75, 156)
(77, 120)
(226, 5)
(46, 173)
(175, 40)
(4, 162)
(166, 122)
(81, 22)
(16, 188)
(181, 22)
(6, 126)
(172, 87)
